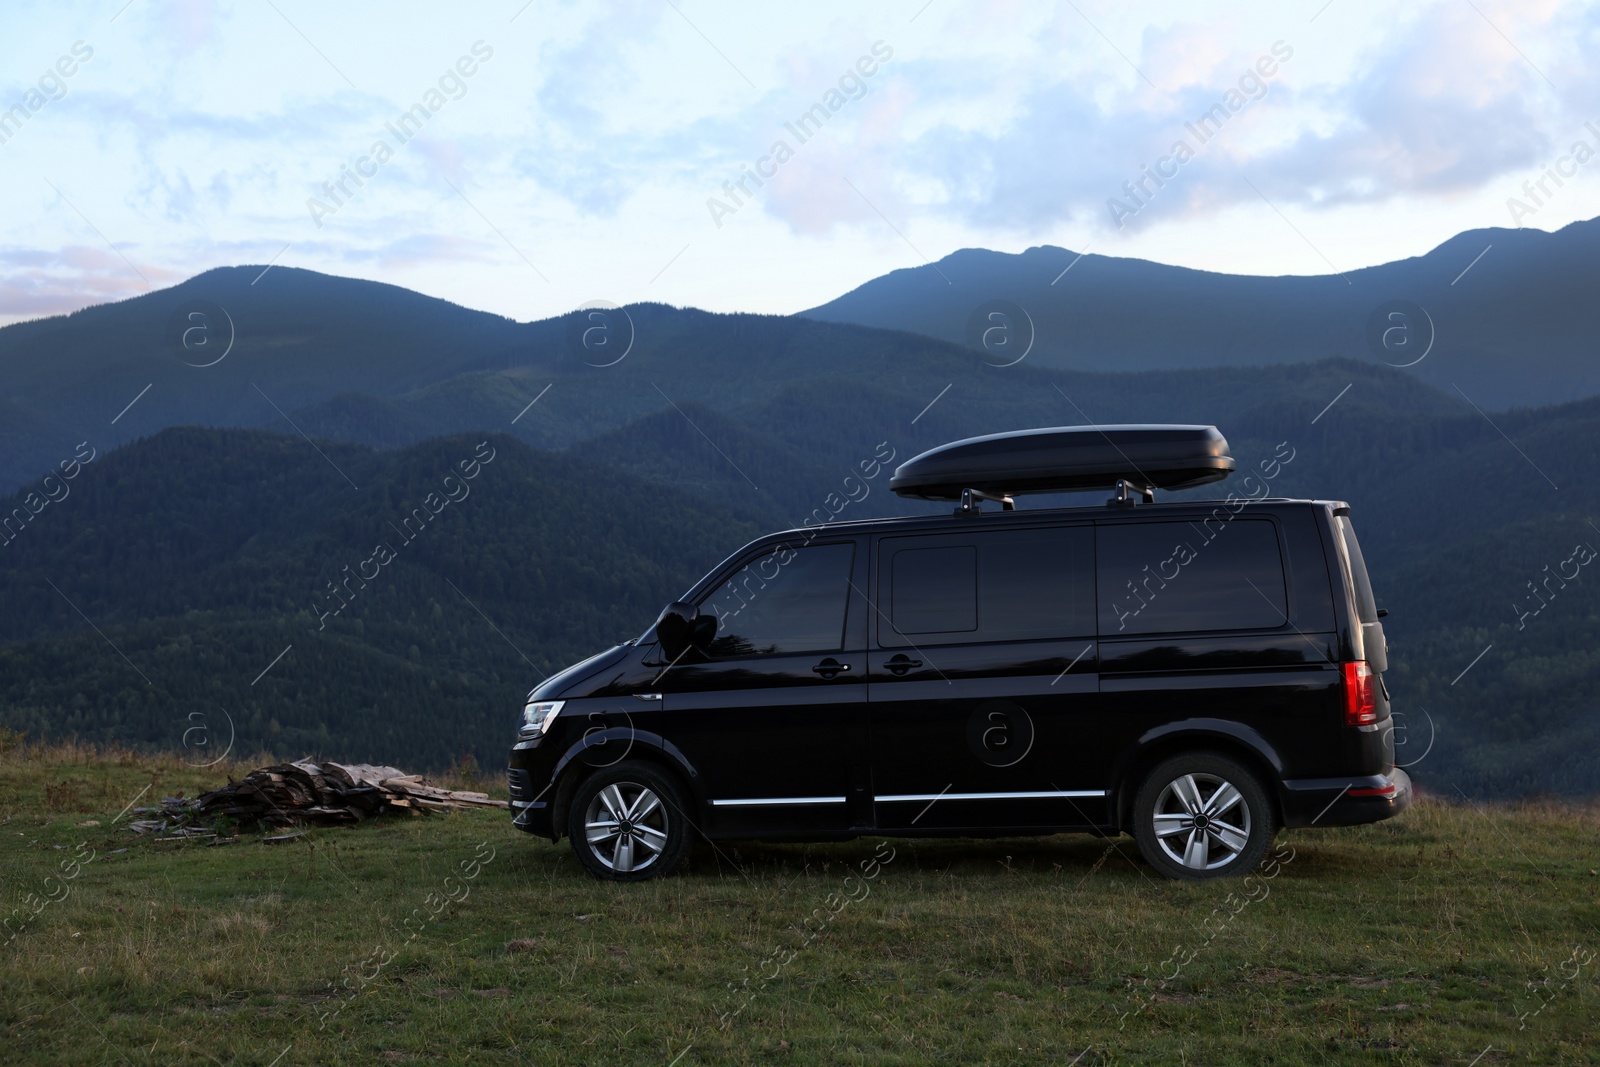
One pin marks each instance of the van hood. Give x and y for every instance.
(569, 682)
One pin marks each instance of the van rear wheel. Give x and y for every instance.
(1203, 815)
(628, 823)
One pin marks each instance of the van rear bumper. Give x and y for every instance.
(1345, 801)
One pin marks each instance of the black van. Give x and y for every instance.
(1197, 674)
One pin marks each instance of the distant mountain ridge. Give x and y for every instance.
(348, 360)
(1510, 311)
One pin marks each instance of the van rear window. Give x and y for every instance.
(1366, 604)
(1178, 577)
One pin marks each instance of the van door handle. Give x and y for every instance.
(901, 663)
(830, 667)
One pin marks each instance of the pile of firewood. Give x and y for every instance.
(294, 794)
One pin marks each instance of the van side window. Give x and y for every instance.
(935, 590)
(1176, 577)
(994, 585)
(790, 600)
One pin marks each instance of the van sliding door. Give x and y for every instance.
(982, 680)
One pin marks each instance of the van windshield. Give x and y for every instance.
(1366, 606)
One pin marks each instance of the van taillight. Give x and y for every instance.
(1360, 695)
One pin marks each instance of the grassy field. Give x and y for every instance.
(1456, 934)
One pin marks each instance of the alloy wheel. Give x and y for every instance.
(626, 827)
(1202, 821)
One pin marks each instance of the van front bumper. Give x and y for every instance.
(1345, 801)
(530, 810)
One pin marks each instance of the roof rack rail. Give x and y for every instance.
(1124, 500)
(971, 498)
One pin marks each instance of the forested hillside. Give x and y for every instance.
(197, 556)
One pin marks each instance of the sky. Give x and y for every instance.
(561, 153)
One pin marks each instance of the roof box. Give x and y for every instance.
(1059, 459)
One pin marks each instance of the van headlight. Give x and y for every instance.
(539, 715)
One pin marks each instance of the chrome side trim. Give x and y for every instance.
(1051, 794)
(754, 802)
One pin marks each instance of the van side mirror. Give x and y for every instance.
(682, 627)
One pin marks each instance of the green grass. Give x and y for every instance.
(1411, 942)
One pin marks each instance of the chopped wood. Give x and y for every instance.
(302, 793)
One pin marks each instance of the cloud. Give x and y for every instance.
(1062, 156)
(856, 145)
(572, 141)
(193, 22)
(607, 126)
(1444, 105)
(40, 282)
(425, 249)
(1446, 108)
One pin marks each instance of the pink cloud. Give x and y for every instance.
(40, 282)
(810, 192)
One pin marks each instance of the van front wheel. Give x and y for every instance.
(628, 823)
(1203, 816)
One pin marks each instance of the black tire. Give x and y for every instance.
(1203, 815)
(629, 822)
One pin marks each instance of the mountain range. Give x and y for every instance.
(1505, 316)
(1493, 318)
